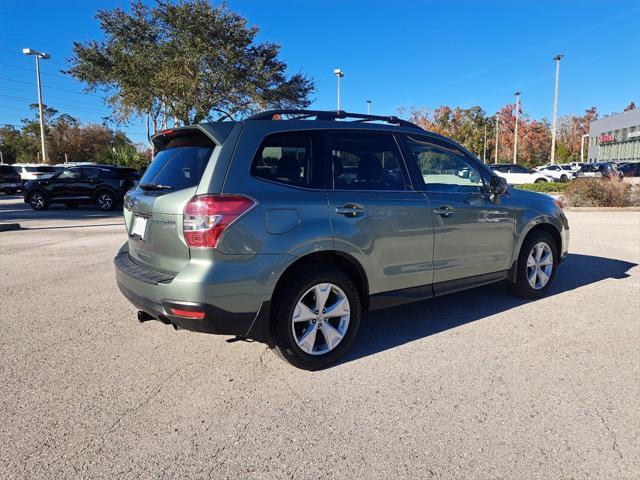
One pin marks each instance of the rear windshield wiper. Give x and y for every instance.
(154, 186)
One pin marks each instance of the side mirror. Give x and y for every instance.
(498, 185)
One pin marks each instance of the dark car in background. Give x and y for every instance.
(33, 171)
(608, 170)
(101, 185)
(631, 169)
(10, 181)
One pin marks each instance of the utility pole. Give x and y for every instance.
(497, 134)
(339, 74)
(557, 58)
(44, 56)
(1, 158)
(484, 154)
(515, 133)
(368, 107)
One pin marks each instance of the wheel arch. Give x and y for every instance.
(537, 225)
(342, 261)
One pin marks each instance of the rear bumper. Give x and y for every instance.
(156, 294)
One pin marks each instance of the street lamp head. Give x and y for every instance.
(368, 101)
(517, 94)
(30, 51)
(558, 57)
(338, 73)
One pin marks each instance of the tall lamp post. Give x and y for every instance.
(557, 58)
(368, 107)
(43, 56)
(582, 139)
(339, 74)
(515, 133)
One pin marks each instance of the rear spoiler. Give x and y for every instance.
(216, 131)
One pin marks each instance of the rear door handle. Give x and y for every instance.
(444, 211)
(351, 210)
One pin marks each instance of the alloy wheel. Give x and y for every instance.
(37, 201)
(539, 265)
(320, 319)
(105, 201)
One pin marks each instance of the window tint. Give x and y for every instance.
(70, 174)
(91, 173)
(500, 168)
(286, 158)
(178, 167)
(443, 168)
(365, 161)
(519, 169)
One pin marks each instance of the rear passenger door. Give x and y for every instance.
(375, 216)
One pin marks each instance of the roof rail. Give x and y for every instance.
(331, 115)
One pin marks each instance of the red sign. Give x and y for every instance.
(606, 138)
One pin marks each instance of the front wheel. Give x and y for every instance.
(38, 201)
(540, 180)
(536, 266)
(105, 200)
(564, 179)
(317, 318)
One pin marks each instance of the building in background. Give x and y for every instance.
(615, 138)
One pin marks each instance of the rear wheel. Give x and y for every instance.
(105, 200)
(540, 180)
(38, 200)
(537, 265)
(564, 179)
(317, 318)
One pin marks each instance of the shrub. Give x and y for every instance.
(600, 193)
(544, 187)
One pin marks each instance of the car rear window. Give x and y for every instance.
(181, 162)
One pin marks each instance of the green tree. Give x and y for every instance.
(181, 62)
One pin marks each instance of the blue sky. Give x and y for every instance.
(410, 53)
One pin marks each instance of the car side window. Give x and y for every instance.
(365, 161)
(70, 174)
(519, 169)
(287, 158)
(443, 168)
(90, 173)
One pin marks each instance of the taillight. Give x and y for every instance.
(207, 216)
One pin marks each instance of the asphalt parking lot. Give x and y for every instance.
(478, 384)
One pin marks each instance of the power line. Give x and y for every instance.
(53, 88)
(31, 70)
(21, 54)
(65, 103)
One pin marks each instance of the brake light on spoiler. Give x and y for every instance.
(207, 216)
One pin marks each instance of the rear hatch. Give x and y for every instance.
(154, 209)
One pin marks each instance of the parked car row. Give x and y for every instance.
(518, 174)
(102, 185)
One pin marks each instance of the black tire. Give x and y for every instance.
(285, 342)
(564, 179)
(105, 200)
(39, 200)
(522, 287)
(540, 180)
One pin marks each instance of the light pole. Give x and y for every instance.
(339, 74)
(484, 154)
(586, 135)
(557, 58)
(515, 133)
(497, 134)
(44, 56)
(368, 107)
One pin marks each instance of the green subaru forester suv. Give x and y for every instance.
(286, 227)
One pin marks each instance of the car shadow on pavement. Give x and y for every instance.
(392, 327)
(16, 210)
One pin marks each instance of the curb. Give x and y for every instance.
(602, 209)
(7, 227)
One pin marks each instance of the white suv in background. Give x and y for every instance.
(33, 171)
(560, 173)
(518, 175)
